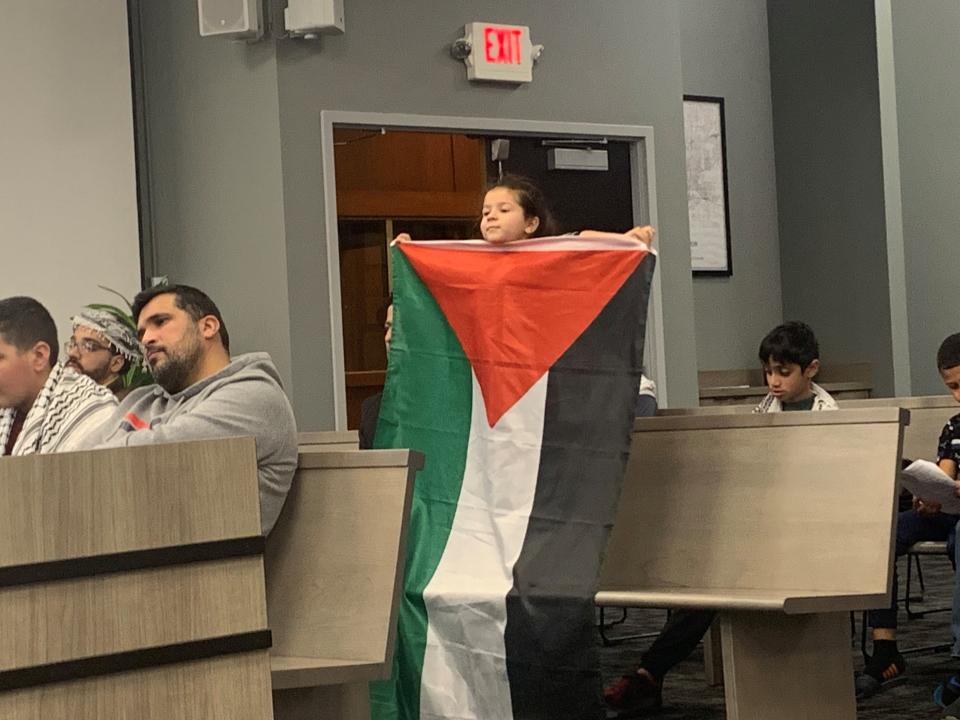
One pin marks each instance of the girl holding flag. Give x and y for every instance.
(515, 370)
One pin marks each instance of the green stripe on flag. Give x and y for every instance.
(429, 385)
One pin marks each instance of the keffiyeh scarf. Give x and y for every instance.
(66, 401)
(822, 400)
(113, 329)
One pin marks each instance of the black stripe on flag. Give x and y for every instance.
(551, 645)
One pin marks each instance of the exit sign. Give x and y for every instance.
(500, 52)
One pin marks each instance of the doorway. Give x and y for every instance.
(425, 175)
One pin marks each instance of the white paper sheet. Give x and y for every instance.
(925, 480)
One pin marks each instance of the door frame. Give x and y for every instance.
(643, 191)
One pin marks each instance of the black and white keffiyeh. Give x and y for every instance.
(112, 329)
(822, 400)
(69, 407)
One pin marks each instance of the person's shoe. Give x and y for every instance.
(879, 674)
(948, 692)
(633, 694)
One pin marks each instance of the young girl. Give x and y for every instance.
(514, 209)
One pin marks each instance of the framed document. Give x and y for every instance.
(707, 201)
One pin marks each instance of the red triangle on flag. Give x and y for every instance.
(515, 312)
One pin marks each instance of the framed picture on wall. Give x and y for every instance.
(708, 204)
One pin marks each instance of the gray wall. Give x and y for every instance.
(67, 186)
(725, 52)
(215, 174)
(236, 216)
(823, 67)
(926, 57)
(611, 62)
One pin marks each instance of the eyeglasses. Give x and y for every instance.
(85, 345)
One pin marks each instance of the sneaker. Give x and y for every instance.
(879, 674)
(633, 694)
(948, 692)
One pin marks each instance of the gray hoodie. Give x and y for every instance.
(245, 398)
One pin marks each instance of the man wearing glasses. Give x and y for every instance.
(44, 407)
(104, 347)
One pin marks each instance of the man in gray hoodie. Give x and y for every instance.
(202, 392)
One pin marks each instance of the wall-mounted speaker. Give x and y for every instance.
(307, 18)
(231, 18)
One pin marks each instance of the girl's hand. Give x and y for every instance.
(403, 237)
(644, 233)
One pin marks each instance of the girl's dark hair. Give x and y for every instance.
(531, 200)
(792, 342)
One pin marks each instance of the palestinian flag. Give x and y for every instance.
(515, 369)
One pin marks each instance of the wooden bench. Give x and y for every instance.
(747, 387)
(782, 522)
(329, 440)
(928, 415)
(334, 575)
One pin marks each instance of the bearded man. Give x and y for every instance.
(103, 347)
(203, 393)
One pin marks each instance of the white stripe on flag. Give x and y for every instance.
(464, 666)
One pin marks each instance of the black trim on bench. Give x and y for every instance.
(134, 660)
(53, 570)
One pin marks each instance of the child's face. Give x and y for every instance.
(502, 219)
(21, 375)
(787, 381)
(951, 378)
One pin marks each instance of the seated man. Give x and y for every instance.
(204, 393)
(104, 348)
(43, 408)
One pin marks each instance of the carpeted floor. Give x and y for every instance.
(686, 694)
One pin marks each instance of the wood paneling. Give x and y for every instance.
(91, 503)
(52, 622)
(408, 174)
(233, 687)
(404, 177)
(407, 204)
(72, 507)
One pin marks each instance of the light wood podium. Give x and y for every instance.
(132, 585)
(783, 523)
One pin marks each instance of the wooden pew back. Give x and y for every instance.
(107, 555)
(747, 386)
(749, 511)
(928, 415)
(329, 440)
(334, 566)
